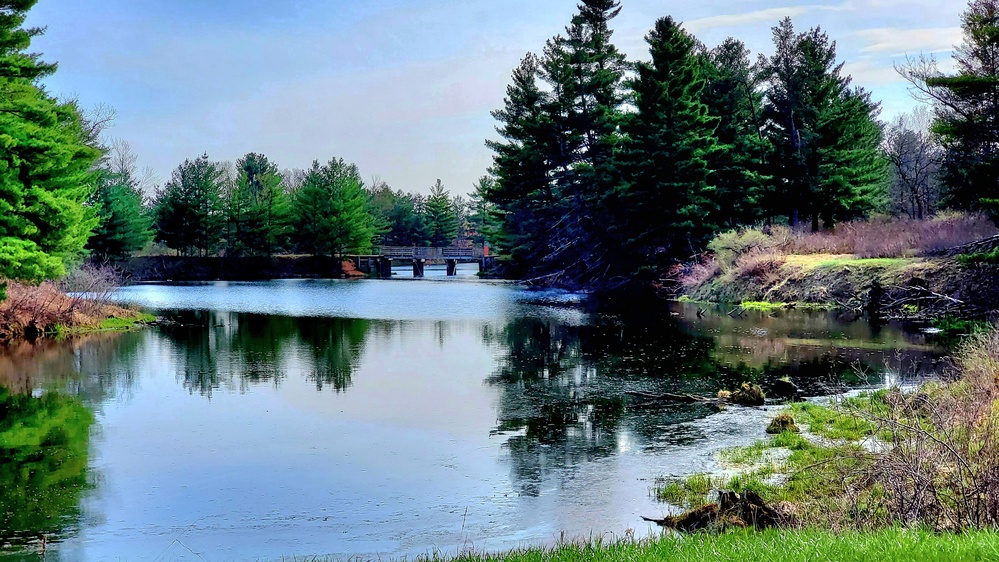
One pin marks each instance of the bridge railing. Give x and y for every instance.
(430, 253)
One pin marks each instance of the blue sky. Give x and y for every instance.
(402, 88)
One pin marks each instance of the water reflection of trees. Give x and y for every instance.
(563, 387)
(94, 368)
(43, 466)
(238, 351)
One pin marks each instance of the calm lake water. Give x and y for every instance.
(387, 418)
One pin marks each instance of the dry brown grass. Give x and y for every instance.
(33, 310)
(893, 238)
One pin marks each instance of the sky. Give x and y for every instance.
(404, 89)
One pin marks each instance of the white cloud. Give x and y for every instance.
(896, 42)
(769, 15)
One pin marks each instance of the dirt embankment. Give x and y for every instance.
(176, 268)
(901, 286)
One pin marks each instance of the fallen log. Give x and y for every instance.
(746, 395)
(670, 397)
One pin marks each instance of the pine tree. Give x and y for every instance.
(189, 211)
(732, 96)
(853, 171)
(46, 159)
(806, 100)
(400, 216)
(555, 168)
(668, 198)
(966, 107)
(442, 220)
(330, 211)
(523, 165)
(125, 225)
(483, 216)
(258, 208)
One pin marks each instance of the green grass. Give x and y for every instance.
(688, 493)
(817, 261)
(980, 258)
(107, 325)
(835, 422)
(122, 324)
(955, 330)
(865, 262)
(763, 305)
(761, 546)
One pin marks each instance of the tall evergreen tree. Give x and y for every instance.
(442, 220)
(555, 168)
(46, 159)
(189, 211)
(806, 94)
(732, 96)
(401, 216)
(668, 196)
(483, 216)
(966, 107)
(258, 208)
(524, 164)
(125, 225)
(330, 211)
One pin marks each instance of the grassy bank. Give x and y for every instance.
(778, 546)
(777, 265)
(924, 458)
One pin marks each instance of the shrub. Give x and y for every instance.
(730, 246)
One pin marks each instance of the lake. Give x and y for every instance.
(389, 418)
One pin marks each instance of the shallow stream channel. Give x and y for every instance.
(390, 418)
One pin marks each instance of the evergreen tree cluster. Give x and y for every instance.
(253, 209)
(411, 219)
(607, 169)
(47, 152)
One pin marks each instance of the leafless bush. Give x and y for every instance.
(91, 287)
(937, 463)
(697, 273)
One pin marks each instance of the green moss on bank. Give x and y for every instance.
(113, 324)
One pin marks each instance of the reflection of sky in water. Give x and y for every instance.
(390, 418)
(412, 299)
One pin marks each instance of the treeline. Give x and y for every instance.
(610, 170)
(251, 208)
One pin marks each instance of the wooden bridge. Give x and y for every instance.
(380, 263)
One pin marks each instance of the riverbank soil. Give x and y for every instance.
(845, 281)
(178, 268)
(943, 265)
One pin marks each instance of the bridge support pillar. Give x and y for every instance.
(418, 265)
(485, 263)
(384, 267)
(452, 267)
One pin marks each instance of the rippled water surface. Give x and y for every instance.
(387, 418)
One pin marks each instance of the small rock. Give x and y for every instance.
(784, 388)
(782, 423)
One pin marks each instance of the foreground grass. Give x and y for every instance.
(781, 546)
